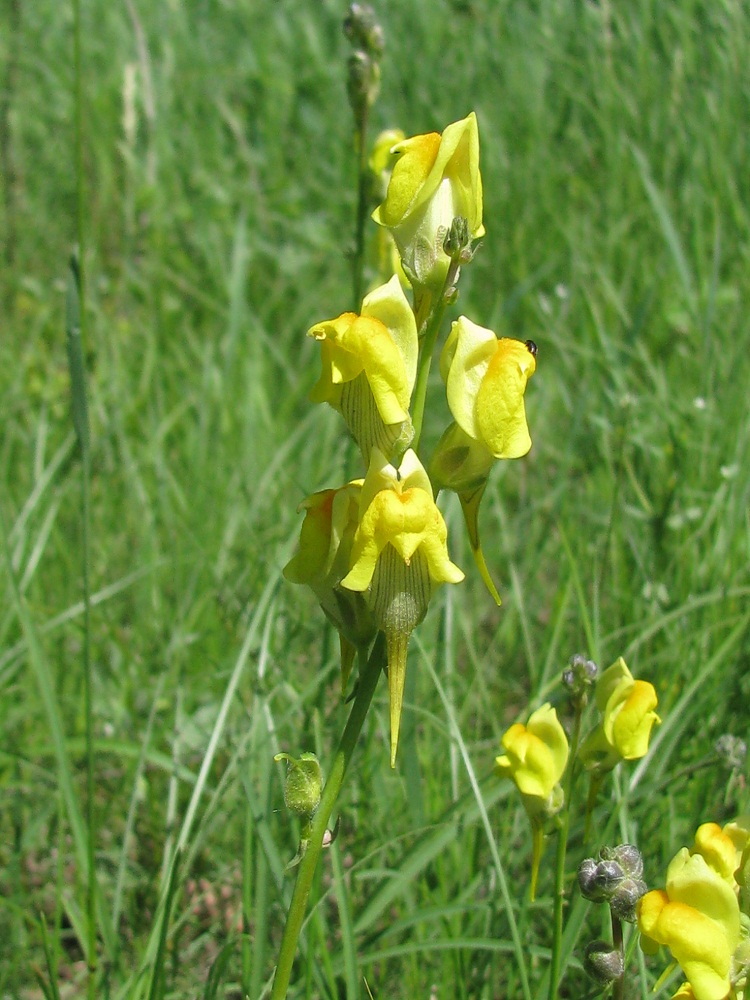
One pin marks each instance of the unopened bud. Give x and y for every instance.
(304, 783)
(457, 238)
(603, 962)
(623, 900)
(580, 674)
(363, 31)
(598, 880)
(627, 856)
(363, 82)
(732, 750)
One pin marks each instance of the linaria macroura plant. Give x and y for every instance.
(375, 550)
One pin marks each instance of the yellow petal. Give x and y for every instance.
(388, 304)
(692, 881)
(417, 156)
(311, 561)
(464, 361)
(536, 754)
(500, 410)
(718, 850)
(485, 384)
(613, 677)
(700, 948)
(628, 724)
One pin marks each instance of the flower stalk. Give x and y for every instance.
(369, 673)
(562, 845)
(432, 325)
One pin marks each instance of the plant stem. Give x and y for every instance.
(368, 679)
(618, 986)
(358, 258)
(432, 329)
(562, 844)
(76, 353)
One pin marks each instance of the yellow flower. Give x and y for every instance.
(536, 755)
(369, 365)
(485, 380)
(535, 758)
(435, 180)
(698, 918)
(323, 558)
(627, 708)
(398, 554)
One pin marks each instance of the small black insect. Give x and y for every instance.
(532, 348)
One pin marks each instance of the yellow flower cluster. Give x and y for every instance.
(374, 550)
(698, 917)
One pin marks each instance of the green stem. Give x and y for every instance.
(618, 986)
(562, 844)
(427, 347)
(77, 349)
(368, 680)
(358, 259)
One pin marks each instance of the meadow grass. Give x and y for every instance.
(219, 203)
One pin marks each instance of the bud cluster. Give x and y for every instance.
(579, 676)
(615, 878)
(368, 42)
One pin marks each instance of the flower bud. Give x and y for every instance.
(598, 880)
(457, 238)
(363, 82)
(622, 901)
(732, 750)
(603, 962)
(580, 674)
(362, 29)
(627, 856)
(303, 785)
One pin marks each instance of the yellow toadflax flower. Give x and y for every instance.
(398, 555)
(485, 379)
(323, 558)
(435, 180)
(369, 365)
(535, 758)
(628, 714)
(697, 917)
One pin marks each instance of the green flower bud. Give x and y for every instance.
(304, 783)
(598, 880)
(627, 856)
(732, 750)
(457, 238)
(363, 31)
(603, 962)
(579, 676)
(623, 899)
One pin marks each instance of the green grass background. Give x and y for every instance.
(614, 151)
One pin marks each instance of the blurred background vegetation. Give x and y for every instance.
(219, 181)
